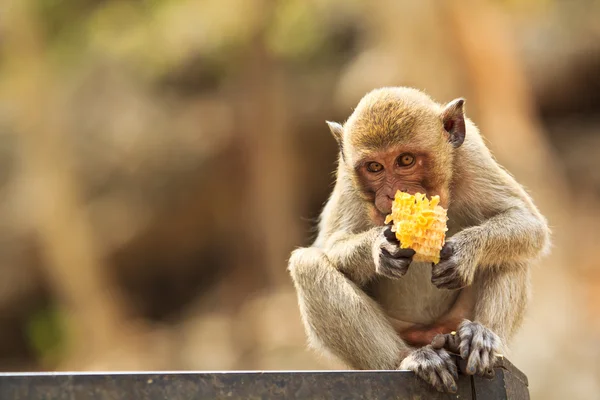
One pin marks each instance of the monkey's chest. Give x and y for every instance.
(413, 298)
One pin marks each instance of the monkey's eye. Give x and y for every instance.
(406, 160)
(374, 167)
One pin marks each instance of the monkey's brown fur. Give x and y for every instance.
(352, 308)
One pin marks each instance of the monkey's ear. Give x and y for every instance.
(454, 121)
(337, 131)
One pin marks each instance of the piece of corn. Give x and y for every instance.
(419, 224)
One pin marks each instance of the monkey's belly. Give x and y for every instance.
(413, 299)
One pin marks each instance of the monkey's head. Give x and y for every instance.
(400, 139)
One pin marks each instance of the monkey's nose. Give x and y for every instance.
(384, 204)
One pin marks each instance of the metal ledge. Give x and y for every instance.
(507, 383)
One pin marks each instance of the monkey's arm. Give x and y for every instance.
(364, 255)
(341, 317)
(355, 248)
(503, 226)
(352, 254)
(517, 234)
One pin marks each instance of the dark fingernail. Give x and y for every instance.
(471, 370)
(453, 388)
(464, 354)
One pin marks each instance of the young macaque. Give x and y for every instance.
(363, 298)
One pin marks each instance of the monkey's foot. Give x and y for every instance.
(434, 366)
(479, 346)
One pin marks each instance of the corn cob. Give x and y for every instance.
(419, 224)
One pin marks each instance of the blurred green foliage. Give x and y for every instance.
(151, 38)
(47, 334)
(295, 30)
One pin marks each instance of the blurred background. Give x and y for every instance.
(160, 159)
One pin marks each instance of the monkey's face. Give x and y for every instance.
(400, 139)
(380, 174)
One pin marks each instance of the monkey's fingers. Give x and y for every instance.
(390, 236)
(442, 281)
(397, 252)
(445, 276)
(405, 253)
(447, 251)
(393, 268)
(453, 284)
(444, 267)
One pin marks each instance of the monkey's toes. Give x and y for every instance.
(448, 341)
(434, 366)
(479, 346)
(439, 341)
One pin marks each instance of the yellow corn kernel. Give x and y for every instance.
(419, 224)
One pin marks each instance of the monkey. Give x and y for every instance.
(361, 296)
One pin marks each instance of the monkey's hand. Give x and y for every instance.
(479, 346)
(390, 260)
(456, 268)
(435, 366)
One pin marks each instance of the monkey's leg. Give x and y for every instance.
(338, 315)
(501, 298)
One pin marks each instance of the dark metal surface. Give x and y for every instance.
(252, 385)
(504, 383)
(506, 365)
